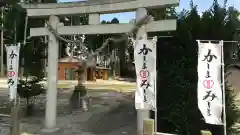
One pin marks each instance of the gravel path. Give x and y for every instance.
(110, 113)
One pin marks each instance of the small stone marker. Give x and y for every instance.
(205, 132)
(148, 127)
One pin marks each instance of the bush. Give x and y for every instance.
(30, 88)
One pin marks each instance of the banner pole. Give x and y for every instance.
(155, 88)
(223, 90)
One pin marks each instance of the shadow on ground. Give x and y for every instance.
(110, 113)
(114, 121)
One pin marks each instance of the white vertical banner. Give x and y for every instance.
(210, 101)
(12, 69)
(145, 65)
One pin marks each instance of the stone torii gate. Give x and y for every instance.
(94, 9)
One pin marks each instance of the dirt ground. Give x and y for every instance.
(110, 113)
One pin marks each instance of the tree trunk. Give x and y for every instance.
(27, 101)
(122, 59)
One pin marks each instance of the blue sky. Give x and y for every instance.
(184, 4)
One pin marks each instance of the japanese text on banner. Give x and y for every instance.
(145, 65)
(12, 69)
(209, 82)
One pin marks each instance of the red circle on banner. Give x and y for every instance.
(208, 84)
(144, 73)
(11, 73)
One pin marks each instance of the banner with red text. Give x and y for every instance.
(145, 65)
(209, 89)
(12, 69)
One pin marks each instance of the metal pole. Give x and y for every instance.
(223, 91)
(2, 44)
(24, 43)
(45, 52)
(15, 127)
(71, 44)
(15, 33)
(155, 88)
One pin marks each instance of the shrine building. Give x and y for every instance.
(67, 67)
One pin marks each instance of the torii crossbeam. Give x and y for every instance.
(92, 6)
(154, 26)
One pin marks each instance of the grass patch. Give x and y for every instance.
(62, 86)
(117, 88)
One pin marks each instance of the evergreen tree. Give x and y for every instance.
(177, 71)
(32, 51)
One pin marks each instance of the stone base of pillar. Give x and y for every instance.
(141, 116)
(51, 130)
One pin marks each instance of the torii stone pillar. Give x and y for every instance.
(52, 74)
(142, 33)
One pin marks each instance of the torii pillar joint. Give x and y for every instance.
(51, 96)
(94, 18)
(141, 33)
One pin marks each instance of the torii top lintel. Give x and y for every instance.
(100, 6)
